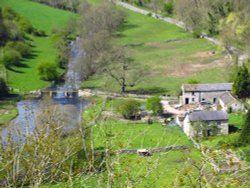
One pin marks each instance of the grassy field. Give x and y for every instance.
(171, 55)
(45, 18)
(159, 170)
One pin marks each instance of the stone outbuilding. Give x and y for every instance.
(206, 123)
(229, 103)
(197, 93)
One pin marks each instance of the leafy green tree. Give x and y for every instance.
(241, 86)
(20, 46)
(154, 105)
(48, 71)
(245, 132)
(3, 88)
(128, 108)
(11, 57)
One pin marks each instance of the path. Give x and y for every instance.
(169, 109)
(242, 57)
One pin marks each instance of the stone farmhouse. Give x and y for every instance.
(229, 103)
(206, 122)
(197, 93)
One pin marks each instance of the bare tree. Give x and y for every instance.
(121, 68)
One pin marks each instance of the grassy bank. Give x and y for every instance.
(8, 112)
(45, 18)
(170, 55)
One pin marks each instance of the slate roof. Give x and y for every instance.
(208, 87)
(208, 116)
(227, 98)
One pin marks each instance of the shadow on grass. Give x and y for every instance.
(126, 26)
(14, 70)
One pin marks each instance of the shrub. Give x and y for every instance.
(39, 33)
(168, 8)
(154, 105)
(25, 25)
(128, 108)
(3, 88)
(23, 48)
(192, 81)
(48, 71)
(11, 57)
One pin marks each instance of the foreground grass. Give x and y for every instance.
(45, 18)
(171, 55)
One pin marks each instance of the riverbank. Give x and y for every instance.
(8, 112)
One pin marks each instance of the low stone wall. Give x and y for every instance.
(90, 92)
(152, 150)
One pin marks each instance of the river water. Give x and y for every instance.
(69, 107)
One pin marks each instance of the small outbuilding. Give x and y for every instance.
(229, 103)
(205, 123)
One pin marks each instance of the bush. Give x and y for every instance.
(128, 108)
(11, 57)
(192, 81)
(3, 88)
(39, 33)
(23, 48)
(168, 8)
(25, 25)
(154, 105)
(48, 71)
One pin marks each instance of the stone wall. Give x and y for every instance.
(153, 150)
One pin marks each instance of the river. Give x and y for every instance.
(70, 107)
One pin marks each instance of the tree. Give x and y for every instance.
(128, 108)
(96, 28)
(48, 71)
(154, 104)
(241, 86)
(3, 88)
(11, 57)
(245, 132)
(121, 68)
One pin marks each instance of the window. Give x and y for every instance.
(193, 99)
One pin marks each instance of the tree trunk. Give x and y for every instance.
(123, 88)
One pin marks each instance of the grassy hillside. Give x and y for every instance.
(171, 55)
(45, 18)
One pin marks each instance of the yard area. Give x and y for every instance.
(170, 55)
(45, 18)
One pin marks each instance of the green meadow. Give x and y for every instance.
(169, 54)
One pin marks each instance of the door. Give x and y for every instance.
(187, 101)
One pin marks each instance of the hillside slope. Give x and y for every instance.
(45, 18)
